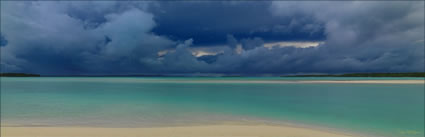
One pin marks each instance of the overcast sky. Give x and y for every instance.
(211, 37)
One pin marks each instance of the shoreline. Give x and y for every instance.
(179, 131)
(236, 81)
(306, 81)
(275, 81)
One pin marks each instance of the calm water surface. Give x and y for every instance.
(373, 109)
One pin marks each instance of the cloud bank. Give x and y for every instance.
(223, 37)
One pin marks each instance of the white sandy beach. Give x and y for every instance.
(189, 131)
(370, 81)
(304, 81)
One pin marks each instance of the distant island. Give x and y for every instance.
(18, 75)
(413, 74)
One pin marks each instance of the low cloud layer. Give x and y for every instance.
(295, 37)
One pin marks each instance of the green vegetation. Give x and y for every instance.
(413, 74)
(18, 75)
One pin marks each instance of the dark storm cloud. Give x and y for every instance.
(249, 44)
(3, 40)
(209, 22)
(361, 37)
(44, 38)
(126, 37)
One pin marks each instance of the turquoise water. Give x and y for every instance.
(372, 109)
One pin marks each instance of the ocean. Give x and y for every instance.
(366, 109)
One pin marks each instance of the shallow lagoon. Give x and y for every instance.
(373, 109)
